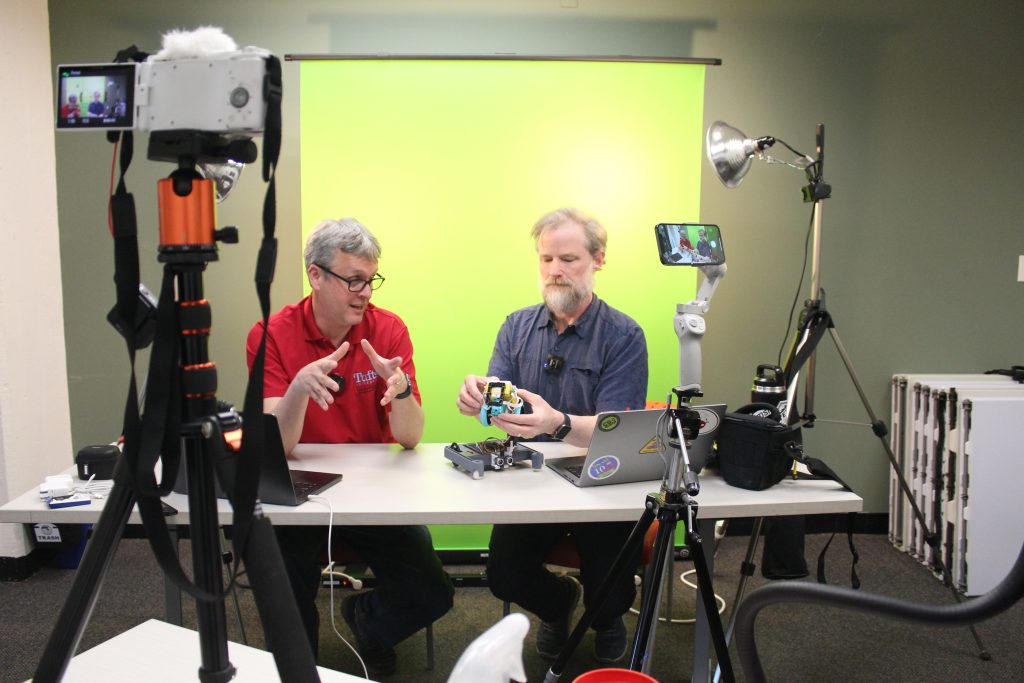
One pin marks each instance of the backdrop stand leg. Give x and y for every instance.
(881, 431)
(747, 568)
(815, 320)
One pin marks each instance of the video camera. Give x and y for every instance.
(223, 92)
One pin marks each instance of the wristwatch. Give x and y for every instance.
(564, 429)
(408, 388)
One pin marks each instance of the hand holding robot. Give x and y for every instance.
(500, 397)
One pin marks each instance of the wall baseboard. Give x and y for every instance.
(865, 523)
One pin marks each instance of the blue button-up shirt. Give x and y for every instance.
(604, 351)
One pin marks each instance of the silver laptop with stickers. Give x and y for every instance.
(626, 448)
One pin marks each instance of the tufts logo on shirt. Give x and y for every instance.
(365, 381)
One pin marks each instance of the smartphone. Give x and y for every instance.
(689, 244)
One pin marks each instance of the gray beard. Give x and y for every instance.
(564, 299)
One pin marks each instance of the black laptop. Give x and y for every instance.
(280, 485)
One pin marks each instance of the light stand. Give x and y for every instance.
(730, 152)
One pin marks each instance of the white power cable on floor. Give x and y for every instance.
(330, 566)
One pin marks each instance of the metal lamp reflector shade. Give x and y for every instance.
(729, 151)
(224, 176)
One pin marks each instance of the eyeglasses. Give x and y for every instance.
(355, 284)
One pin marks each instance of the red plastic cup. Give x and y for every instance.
(614, 676)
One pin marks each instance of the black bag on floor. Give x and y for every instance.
(782, 556)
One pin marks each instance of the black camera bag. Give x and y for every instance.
(754, 451)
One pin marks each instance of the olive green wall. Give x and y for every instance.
(922, 105)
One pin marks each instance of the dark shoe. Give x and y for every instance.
(378, 662)
(610, 643)
(551, 636)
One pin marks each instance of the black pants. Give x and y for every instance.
(516, 571)
(412, 587)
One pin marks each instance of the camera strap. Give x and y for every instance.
(250, 455)
(156, 429)
(819, 470)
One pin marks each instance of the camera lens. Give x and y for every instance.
(239, 97)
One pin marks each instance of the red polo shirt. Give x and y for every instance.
(356, 416)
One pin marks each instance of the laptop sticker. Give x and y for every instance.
(653, 446)
(603, 467)
(708, 420)
(608, 423)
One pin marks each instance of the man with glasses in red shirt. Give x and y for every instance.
(340, 370)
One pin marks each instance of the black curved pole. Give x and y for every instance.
(997, 600)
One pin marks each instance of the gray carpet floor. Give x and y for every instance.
(797, 642)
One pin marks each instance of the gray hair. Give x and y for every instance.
(345, 234)
(593, 232)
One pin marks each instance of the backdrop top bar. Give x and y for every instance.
(513, 57)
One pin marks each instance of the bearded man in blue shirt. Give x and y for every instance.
(570, 358)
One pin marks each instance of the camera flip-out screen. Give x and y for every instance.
(95, 96)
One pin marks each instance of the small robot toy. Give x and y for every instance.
(499, 397)
(492, 454)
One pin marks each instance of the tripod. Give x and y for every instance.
(181, 418)
(673, 503)
(813, 322)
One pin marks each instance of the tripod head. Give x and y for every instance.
(186, 198)
(684, 425)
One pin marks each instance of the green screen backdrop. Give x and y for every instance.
(450, 162)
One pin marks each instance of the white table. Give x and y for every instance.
(384, 484)
(157, 652)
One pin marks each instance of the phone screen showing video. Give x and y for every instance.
(689, 244)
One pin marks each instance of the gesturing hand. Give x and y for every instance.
(313, 379)
(388, 369)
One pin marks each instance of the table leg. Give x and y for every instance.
(701, 630)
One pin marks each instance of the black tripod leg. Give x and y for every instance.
(650, 597)
(880, 430)
(206, 563)
(620, 565)
(99, 551)
(707, 595)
